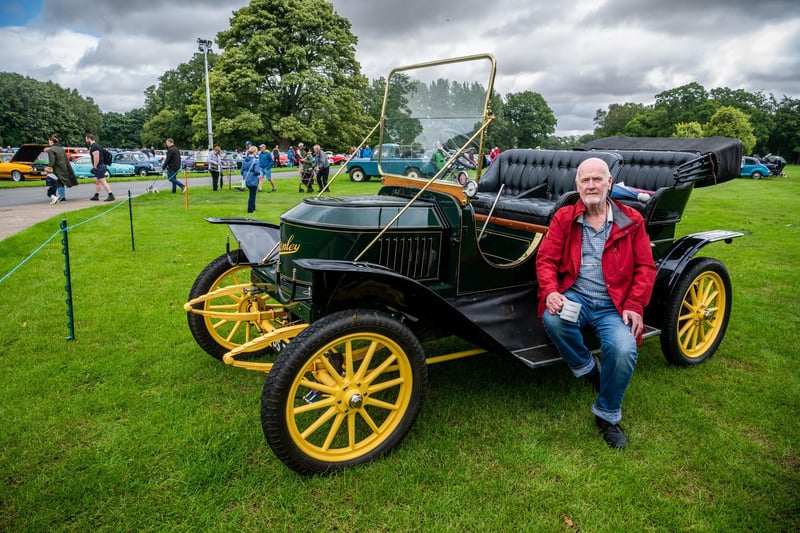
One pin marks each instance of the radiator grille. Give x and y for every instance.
(414, 256)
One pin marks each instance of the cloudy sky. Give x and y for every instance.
(580, 55)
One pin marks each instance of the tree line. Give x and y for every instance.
(283, 77)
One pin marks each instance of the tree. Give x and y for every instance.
(291, 64)
(730, 122)
(123, 130)
(31, 111)
(687, 103)
(175, 93)
(785, 138)
(757, 106)
(531, 119)
(692, 130)
(612, 122)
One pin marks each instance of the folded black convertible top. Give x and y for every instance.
(725, 152)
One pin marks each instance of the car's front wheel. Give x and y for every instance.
(16, 175)
(697, 313)
(756, 175)
(227, 310)
(357, 174)
(344, 392)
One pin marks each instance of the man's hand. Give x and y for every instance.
(554, 302)
(635, 321)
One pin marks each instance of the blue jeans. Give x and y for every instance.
(171, 176)
(617, 350)
(251, 199)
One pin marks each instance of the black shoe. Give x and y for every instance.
(110, 198)
(612, 433)
(593, 377)
(95, 198)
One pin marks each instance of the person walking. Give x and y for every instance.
(58, 166)
(596, 271)
(98, 169)
(323, 167)
(250, 177)
(306, 166)
(265, 164)
(215, 166)
(172, 164)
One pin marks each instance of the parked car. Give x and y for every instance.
(775, 163)
(336, 159)
(393, 159)
(27, 162)
(83, 168)
(753, 168)
(74, 152)
(196, 162)
(335, 301)
(142, 163)
(232, 160)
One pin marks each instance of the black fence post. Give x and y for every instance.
(68, 275)
(130, 216)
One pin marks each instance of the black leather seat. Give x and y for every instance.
(534, 181)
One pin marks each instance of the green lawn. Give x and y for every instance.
(132, 427)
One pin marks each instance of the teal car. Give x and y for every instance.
(753, 168)
(83, 168)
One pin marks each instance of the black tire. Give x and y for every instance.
(413, 172)
(142, 172)
(357, 174)
(756, 175)
(215, 335)
(697, 313)
(16, 175)
(363, 412)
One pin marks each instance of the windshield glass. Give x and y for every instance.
(435, 108)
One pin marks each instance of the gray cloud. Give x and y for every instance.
(581, 55)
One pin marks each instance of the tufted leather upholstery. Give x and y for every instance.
(651, 170)
(534, 181)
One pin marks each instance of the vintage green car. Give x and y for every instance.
(336, 302)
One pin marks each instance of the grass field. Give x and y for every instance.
(132, 427)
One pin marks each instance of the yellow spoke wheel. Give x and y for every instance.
(697, 313)
(345, 391)
(229, 318)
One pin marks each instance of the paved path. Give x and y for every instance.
(23, 207)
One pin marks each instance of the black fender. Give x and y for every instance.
(338, 285)
(259, 240)
(672, 265)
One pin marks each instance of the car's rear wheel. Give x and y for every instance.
(697, 313)
(413, 172)
(756, 175)
(357, 174)
(142, 172)
(16, 175)
(344, 392)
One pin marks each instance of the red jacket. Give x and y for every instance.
(628, 266)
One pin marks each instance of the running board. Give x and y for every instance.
(546, 354)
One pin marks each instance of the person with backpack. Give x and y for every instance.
(172, 164)
(99, 168)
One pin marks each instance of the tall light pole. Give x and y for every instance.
(204, 46)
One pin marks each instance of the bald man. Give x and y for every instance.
(596, 272)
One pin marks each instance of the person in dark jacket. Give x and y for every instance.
(596, 271)
(58, 166)
(172, 164)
